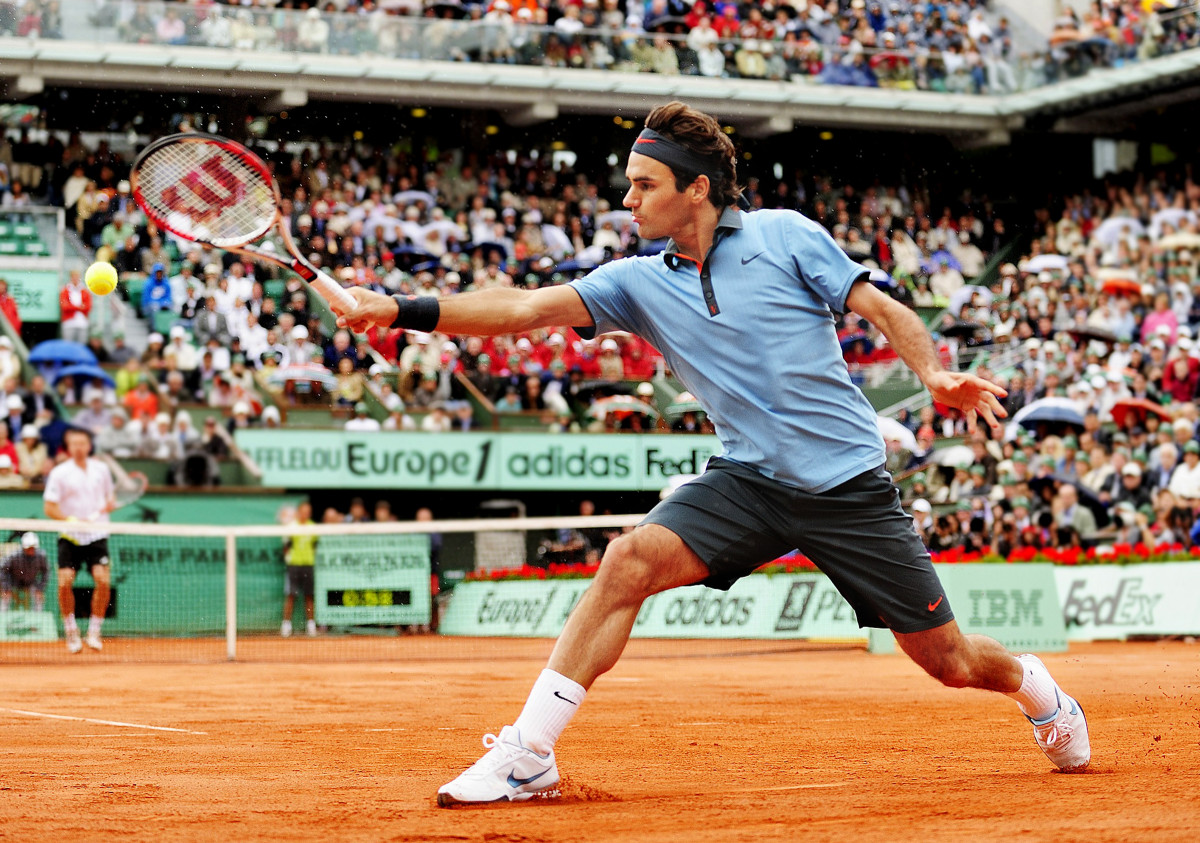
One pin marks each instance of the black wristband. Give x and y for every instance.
(417, 313)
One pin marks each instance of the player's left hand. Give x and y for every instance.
(973, 395)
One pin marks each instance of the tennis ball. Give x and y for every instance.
(101, 278)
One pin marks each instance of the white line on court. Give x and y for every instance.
(100, 722)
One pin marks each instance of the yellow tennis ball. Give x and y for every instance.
(101, 278)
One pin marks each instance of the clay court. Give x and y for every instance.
(696, 741)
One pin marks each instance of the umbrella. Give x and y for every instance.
(1180, 240)
(617, 218)
(488, 246)
(961, 329)
(443, 229)
(409, 197)
(1122, 287)
(955, 455)
(1169, 216)
(669, 24)
(847, 342)
(84, 370)
(1052, 410)
(1114, 228)
(1092, 332)
(1042, 263)
(1139, 407)
(302, 372)
(966, 294)
(62, 353)
(937, 259)
(684, 402)
(889, 428)
(557, 241)
(621, 404)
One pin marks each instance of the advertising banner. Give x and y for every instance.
(36, 292)
(1111, 601)
(372, 580)
(507, 462)
(1016, 605)
(27, 625)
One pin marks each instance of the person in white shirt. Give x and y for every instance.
(361, 421)
(81, 488)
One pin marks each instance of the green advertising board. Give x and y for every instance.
(373, 580)
(510, 462)
(1015, 604)
(217, 508)
(36, 293)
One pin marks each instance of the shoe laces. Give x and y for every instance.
(499, 753)
(1059, 731)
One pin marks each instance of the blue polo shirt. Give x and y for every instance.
(753, 336)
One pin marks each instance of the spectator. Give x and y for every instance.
(121, 439)
(10, 478)
(8, 306)
(23, 576)
(156, 295)
(75, 305)
(362, 421)
(33, 459)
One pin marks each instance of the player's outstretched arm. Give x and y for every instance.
(907, 333)
(502, 310)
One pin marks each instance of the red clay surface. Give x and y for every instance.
(695, 741)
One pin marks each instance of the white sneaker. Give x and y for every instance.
(93, 641)
(510, 770)
(1064, 735)
(285, 629)
(74, 642)
(310, 628)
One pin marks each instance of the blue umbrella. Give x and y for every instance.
(941, 256)
(1052, 410)
(61, 353)
(488, 246)
(850, 339)
(85, 370)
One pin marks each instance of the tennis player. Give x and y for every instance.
(802, 461)
(81, 489)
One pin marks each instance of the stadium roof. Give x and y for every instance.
(527, 95)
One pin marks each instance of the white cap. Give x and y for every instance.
(299, 333)
(645, 389)
(1163, 331)
(556, 339)
(212, 269)
(155, 337)
(921, 505)
(241, 408)
(609, 345)
(524, 344)
(163, 418)
(15, 402)
(29, 540)
(270, 413)
(1099, 382)
(1132, 469)
(30, 431)
(5, 461)
(177, 331)
(5, 342)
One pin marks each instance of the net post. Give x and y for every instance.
(231, 597)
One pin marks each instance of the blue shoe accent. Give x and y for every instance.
(513, 781)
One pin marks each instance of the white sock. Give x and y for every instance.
(94, 624)
(286, 627)
(552, 703)
(69, 624)
(1036, 697)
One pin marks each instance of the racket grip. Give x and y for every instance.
(333, 292)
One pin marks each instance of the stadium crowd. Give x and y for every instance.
(946, 45)
(1100, 316)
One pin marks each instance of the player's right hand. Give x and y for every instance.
(371, 309)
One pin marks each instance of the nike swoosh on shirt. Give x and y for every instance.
(752, 257)
(564, 699)
(513, 781)
(936, 603)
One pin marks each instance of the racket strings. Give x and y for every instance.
(203, 192)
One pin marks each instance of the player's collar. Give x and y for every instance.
(730, 218)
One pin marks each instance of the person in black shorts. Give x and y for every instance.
(802, 457)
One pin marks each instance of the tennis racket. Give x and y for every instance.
(214, 191)
(129, 489)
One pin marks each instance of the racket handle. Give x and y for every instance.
(333, 292)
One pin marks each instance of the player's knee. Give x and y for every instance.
(100, 574)
(952, 669)
(625, 570)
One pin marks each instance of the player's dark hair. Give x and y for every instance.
(702, 134)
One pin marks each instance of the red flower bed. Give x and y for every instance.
(797, 563)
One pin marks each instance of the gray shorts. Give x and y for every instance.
(735, 519)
